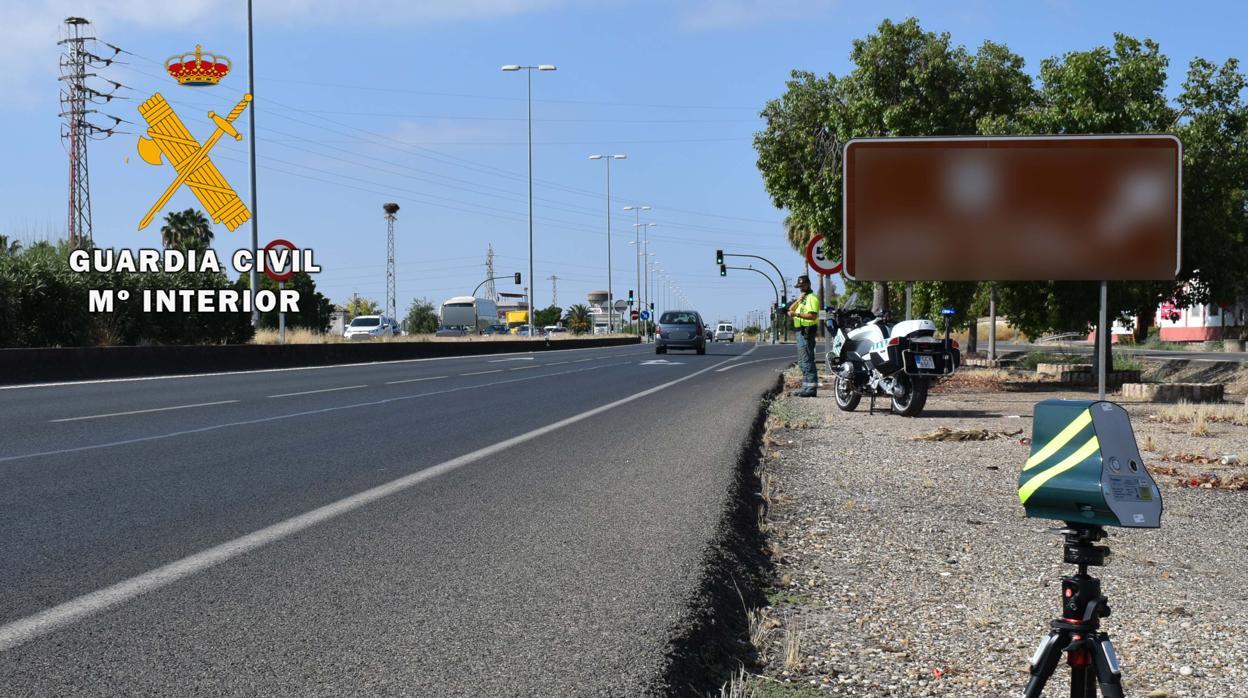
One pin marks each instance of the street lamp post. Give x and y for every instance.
(637, 261)
(528, 69)
(610, 289)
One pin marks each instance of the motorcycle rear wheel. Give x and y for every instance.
(915, 398)
(847, 398)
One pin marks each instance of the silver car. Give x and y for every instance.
(680, 329)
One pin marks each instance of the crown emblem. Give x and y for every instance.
(198, 69)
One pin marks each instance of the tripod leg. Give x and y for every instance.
(1108, 673)
(1044, 661)
(1082, 681)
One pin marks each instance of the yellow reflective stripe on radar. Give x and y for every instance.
(1057, 442)
(1029, 488)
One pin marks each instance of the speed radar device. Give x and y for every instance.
(1086, 470)
(1085, 467)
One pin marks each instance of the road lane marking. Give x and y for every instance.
(154, 409)
(518, 358)
(50, 620)
(556, 363)
(523, 368)
(755, 361)
(292, 415)
(582, 360)
(322, 390)
(482, 373)
(415, 380)
(291, 368)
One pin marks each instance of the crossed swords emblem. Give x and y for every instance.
(167, 136)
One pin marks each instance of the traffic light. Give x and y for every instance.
(719, 259)
(652, 306)
(723, 270)
(630, 297)
(517, 278)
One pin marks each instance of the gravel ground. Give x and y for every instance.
(907, 568)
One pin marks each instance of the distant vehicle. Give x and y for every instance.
(451, 332)
(517, 319)
(710, 336)
(554, 329)
(524, 331)
(494, 329)
(680, 329)
(725, 333)
(467, 313)
(369, 326)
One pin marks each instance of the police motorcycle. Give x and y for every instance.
(872, 356)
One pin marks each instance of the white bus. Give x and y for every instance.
(469, 314)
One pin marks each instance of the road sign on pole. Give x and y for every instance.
(819, 263)
(1013, 208)
(635, 315)
(280, 276)
(645, 315)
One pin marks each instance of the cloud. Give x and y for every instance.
(30, 29)
(730, 14)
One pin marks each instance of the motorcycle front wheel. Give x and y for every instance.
(846, 397)
(911, 404)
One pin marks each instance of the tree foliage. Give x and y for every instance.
(548, 316)
(356, 306)
(314, 308)
(422, 317)
(577, 318)
(186, 230)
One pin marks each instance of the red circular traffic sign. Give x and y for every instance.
(279, 276)
(816, 260)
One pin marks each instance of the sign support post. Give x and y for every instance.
(281, 316)
(1102, 336)
(909, 299)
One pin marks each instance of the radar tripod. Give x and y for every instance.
(1089, 652)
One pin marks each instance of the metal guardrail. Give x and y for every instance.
(1057, 338)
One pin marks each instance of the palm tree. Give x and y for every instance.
(797, 234)
(577, 318)
(9, 249)
(186, 230)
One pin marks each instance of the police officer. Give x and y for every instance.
(805, 313)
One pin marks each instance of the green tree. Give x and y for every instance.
(9, 249)
(422, 317)
(547, 316)
(314, 308)
(1102, 90)
(577, 318)
(905, 82)
(356, 306)
(186, 230)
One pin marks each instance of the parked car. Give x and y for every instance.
(554, 329)
(524, 331)
(725, 332)
(680, 329)
(494, 329)
(370, 326)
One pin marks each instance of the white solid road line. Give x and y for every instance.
(746, 363)
(292, 368)
(154, 409)
(322, 390)
(482, 373)
(415, 380)
(518, 358)
(50, 620)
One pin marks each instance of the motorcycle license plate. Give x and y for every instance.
(928, 362)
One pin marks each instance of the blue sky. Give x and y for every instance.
(370, 101)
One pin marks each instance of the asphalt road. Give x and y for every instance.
(499, 525)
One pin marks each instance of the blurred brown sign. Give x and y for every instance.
(1061, 208)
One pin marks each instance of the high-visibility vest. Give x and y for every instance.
(808, 304)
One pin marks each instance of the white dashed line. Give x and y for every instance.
(154, 409)
(322, 390)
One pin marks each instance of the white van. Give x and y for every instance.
(725, 333)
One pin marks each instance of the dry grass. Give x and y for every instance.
(738, 686)
(304, 336)
(1188, 413)
(1148, 444)
(792, 646)
(1200, 425)
(1005, 333)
